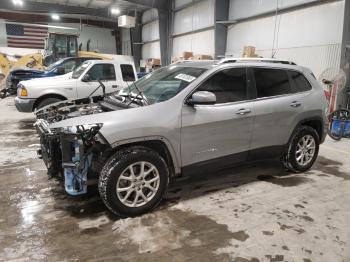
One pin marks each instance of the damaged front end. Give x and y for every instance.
(72, 153)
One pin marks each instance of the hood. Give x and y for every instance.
(49, 81)
(103, 118)
(26, 71)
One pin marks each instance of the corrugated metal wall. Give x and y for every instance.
(150, 34)
(195, 17)
(310, 36)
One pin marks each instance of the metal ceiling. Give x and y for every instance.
(88, 8)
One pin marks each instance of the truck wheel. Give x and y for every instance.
(48, 101)
(302, 150)
(133, 181)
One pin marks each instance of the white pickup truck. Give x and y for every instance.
(115, 74)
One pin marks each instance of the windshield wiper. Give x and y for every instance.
(139, 94)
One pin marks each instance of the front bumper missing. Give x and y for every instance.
(65, 156)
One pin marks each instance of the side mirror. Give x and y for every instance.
(60, 70)
(86, 78)
(202, 98)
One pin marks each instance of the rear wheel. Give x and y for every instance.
(302, 150)
(133, 181)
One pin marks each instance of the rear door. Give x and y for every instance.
(217, 135)
(128, 75)
(276, 111)
(105, 72)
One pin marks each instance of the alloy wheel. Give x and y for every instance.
(138, 184)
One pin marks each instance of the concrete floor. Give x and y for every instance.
(256, 213)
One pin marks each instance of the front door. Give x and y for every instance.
(215, 136)
(105, 73)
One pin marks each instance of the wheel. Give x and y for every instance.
(302, 150)
(48, 101)
(133, 181)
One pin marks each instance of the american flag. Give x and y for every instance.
(25, 36)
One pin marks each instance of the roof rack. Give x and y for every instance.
(254, 59)
(189, 61)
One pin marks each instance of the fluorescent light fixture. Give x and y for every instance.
(115, 11)
(18, 2)
(55, 17)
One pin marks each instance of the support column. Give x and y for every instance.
(345, 53)
(136, 37)
(165, 40)
(221, 14)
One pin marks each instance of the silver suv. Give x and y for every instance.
(187, 117)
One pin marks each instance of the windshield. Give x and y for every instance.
(163, 83)
(50, 67)
(80, 69)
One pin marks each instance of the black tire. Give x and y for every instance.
(290, 159)
(113, 169)
(48, 101)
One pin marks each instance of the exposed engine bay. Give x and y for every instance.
(87, 106)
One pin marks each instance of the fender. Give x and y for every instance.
(176, 162)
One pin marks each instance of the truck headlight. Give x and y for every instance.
(22, 91)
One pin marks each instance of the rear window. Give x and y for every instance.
(301, 84)
(127, 73)
(271, 82)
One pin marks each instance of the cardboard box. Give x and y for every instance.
(187, 55)
(203, 57)
(153, 61)
(176, 59)
(248, 51)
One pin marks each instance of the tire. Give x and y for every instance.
(48, 101)
(292, 160)
(117, 171)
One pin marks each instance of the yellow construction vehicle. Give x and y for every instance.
(57, 46)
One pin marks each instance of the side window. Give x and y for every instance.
(69, 66)
(102, 72)
(271, 82)
(229, 85)
(301, 84)
(127, 73)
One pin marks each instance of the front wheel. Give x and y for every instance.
(133, 181)
(302, 150)
(48, 101)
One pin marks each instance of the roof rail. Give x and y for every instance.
(253, 59)
(190, 61)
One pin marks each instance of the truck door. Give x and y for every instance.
(106, 73)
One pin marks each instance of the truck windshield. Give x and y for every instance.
(80, 69)
(163, 83)
(57, 63)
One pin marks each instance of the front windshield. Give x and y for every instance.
(163, 83)
(80, 69)
(50, 67)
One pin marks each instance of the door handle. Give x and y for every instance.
(295, 104)
(68, 88)
(115, 86)
(243, 111)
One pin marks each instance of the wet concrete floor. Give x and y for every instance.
(252, 213)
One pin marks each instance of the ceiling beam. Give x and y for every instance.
(159, 4)
(41, 7)
(39, 18)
